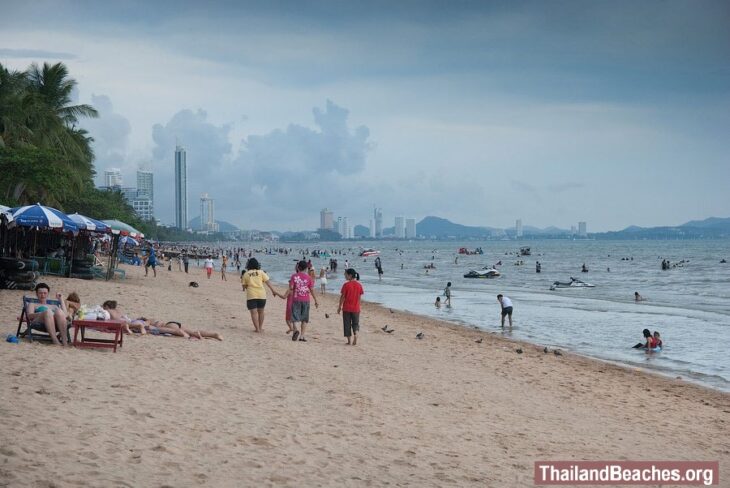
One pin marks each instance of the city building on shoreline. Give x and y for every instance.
(181, 188)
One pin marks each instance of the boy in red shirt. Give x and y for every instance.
(350, 305)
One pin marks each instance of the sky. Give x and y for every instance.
(553, 112)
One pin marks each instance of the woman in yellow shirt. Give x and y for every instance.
(253, 281)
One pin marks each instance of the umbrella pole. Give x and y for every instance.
(71, 263)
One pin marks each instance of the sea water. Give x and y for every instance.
(688, 305)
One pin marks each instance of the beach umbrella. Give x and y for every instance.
(42, 217)
(87, 223)
(119, 227)
(6, 215)
(128, 241)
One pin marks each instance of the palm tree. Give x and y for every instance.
(53, 119)
(12, 124)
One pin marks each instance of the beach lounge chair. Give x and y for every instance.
(35, 331)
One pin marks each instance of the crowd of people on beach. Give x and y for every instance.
(299, 293)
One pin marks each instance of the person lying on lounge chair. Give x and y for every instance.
(52, 317)
(156, 327)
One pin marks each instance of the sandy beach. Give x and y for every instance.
(261, 410)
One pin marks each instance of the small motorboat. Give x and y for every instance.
(484, 273)
(369, 252)
(573, 283)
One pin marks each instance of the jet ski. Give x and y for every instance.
(573, 283)
(484, 273)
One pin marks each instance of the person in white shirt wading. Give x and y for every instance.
(506, 304)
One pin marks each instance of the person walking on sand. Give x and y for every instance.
(253, 281)
(150, 261)
(350, 306)
(186, 262)
(301, 287)
(506, 305)
(224, 264)
(209, 266)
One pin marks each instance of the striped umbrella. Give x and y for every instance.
(45, 217)
(119, 227)
(87, 223)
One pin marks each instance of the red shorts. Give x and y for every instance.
(209, 271)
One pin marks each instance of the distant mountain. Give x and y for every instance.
(710, 223)
(443, 228)
(711, 228)
(223, 225)
(361, 231)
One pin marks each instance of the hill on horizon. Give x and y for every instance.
(223, 226)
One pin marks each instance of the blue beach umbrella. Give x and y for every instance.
(43, 217)
(87, 223)
(128, 241)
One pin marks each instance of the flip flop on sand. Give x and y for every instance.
(302, 339)
(295, 336)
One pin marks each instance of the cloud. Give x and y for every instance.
(296, 171)
(34, 53)
(110, 132)
(562, 187)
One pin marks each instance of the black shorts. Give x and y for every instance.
(256, 303)
(153, 264)
(507, 311)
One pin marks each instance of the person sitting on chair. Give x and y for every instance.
(53, 318)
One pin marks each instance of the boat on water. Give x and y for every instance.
(483, 273)
(369, 252)
(573, 283)
(525, 251)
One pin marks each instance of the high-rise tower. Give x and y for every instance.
(181, 189)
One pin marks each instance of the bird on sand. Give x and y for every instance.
(420, 335)
(479, 341)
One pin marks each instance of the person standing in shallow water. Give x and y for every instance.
(506, 305)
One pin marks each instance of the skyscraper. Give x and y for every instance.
(207, 214)
(146, 194)
(326, 219)
(410, 228)
(518, 228)
(400, 227)
(145, 183)
(582, 229)
(378, 216)
(112, 177)
(371, 229)
(181, 189)
(345, 229)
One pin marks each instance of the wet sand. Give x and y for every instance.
(261, 410)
